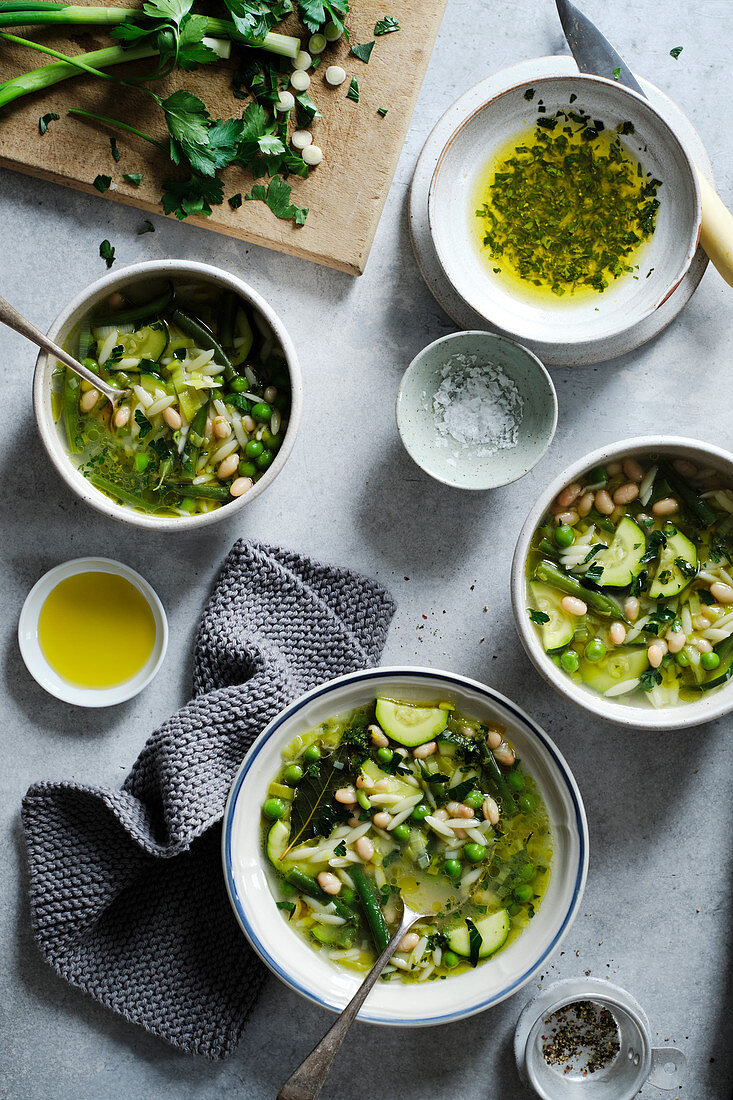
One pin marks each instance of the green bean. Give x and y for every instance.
(143, 312)
(372, 909)
(72, 423)
(207, 492)
(125, 495)
(549, 573)
(677, 484)
(190, 455)
(204, 339)
(499, 783)
(307, 885)
(546, 547)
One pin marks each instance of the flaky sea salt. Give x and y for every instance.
(477, 406)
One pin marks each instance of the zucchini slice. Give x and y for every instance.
(147, 343)
(669, 579)
(410, 724)
(619, 664)
(277, 843)
(622, 560)
(724, 671)
(493, 930)
(560, 630)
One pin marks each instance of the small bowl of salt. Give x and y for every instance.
(476, 410)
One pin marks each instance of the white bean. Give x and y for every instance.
(703, 645)
(122, 415)
(632, 469)
(495, 739)
(723, 593)
(665, 507)
(222, 427)
(504, 755)
(655, 653)
(574, 606)
(682, 466)
(490, 810)
(626, 493)
(701, 622)
(569, 494)
(364, 848)
(382, 819)
(568, 519)
(458, 809)
(631, 608)
(604, 504)
(240, 486)
(365, 782)
(228, 466)
(248, 423)
(89, 400)
(172, 418)
(269, 394)
(329, 883)
(409, 942)
(423, 751)
(584, 505)
(676, 640)
(613, 468)
(618, 633)
(346, 796)
(378, 737)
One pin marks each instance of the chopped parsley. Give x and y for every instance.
(107, 252)
(44, 120)
(386, 26)
(353, 92)
(363, 51)
(617, 74)
(675, 53)
(650, 677)
(538, 617)
(102, 183)
(114, 150)
(146, 227)
(340, 849)
(475, 941)
(236, 201)
(382, 111)
(277, 196)
(135, 178)
(143, 423)
(287, 907)
(529, 94)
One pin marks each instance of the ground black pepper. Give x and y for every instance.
(582, 1037)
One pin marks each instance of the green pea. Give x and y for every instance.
(569, 660)
(347, 895)
(312, 753)
(253, 448)
(264, 460)
(293, 774)
(527, 872)
(516, 781)
(682, 659)
(239, 385)
(141, 462)
(512, 909)
(474, 799)
(526, 803)
(709, 661)
(363, 799)
(523, 892)
(450, 959)
(273, 808)
(270, 440)
(452, 868)
(420, 812)
(401, 832)
(384, 755)
(564, 535)
(595, 650)
(474, 853)
(247, 469)
(261, 412)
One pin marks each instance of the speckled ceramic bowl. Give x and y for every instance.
(711, 705)
(471, 466)
(568, 322)
(156, 272)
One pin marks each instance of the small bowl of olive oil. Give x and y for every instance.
(565, 211)
(92, 632)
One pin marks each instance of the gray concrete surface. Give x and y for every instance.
(656, 916)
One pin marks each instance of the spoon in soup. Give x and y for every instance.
(425, 903)
(9, 316)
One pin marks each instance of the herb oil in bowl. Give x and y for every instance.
(92, 632)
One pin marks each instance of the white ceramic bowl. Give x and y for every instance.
(452, 219)
(711, 705)
(188, 271)
(468, 466)
(35, 660)
(249, 877)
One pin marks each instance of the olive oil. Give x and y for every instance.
(563, 209)
(96, 630)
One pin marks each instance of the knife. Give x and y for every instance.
(594, 54)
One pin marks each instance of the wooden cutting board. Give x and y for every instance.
(345, 194)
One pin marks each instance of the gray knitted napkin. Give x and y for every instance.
(126, 888)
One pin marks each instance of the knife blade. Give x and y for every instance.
(592, 51)
(595, 55)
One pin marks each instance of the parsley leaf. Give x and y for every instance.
(340, 849)
(382, 111)
(187, 120)
(277, 196)
(594, 572)
(315, 13)
(353, 92)
(222, 145)
(146, 227)
(144, 424)
(649, 678)
(102, 183)
(595, 549)
(386, 25)
(706, 597)
(363, 51)
(475, 941)
(685, 567)
(114, 150)
(236, 201)
(617, 74)
(135, 178)
(44, 120)
(675, 53)
(254, 18)
(657, 540)
(287, 907)
(196, 195)
(107, 252)
(538, 617)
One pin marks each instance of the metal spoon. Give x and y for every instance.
(9, 316)
(310, 1076)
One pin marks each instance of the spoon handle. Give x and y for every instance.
(9, 316)
(310, 1076)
